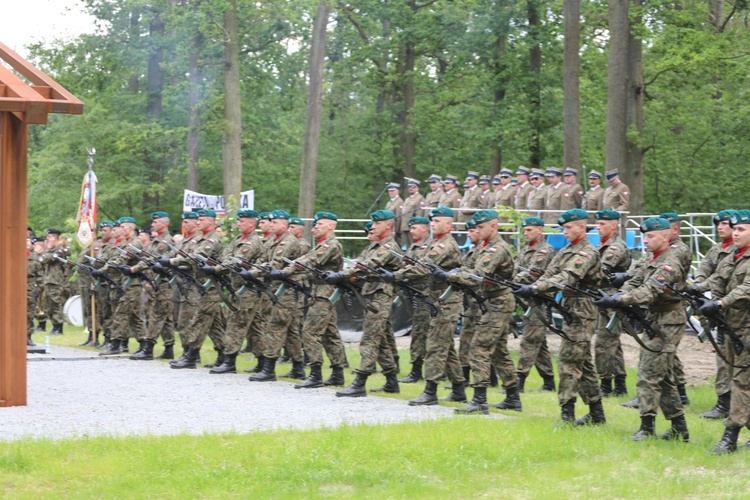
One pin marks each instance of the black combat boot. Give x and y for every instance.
(89, 341)
(227, 366)
(268, 374)
(285, 358)
(182, 357)
(478, 403)
(56, 329)
(29, 342)
(683, 395)
(336, 378)
(521, 380)
(678, 430)
(188, 361)
(467, 374)
(605, 389)
(728, 443)
(493, 377)
(458, 393)
(549, 384)
(415, 375)
(297, 371)
(397, 362)
(316, 378)
(633, 403)
(168, 352)
(219, 360)
(391, 384)
(41, 326)
(512, 400)
(595, 415)
(140, 346)
(356, 389)
(621, 388)
(568, 412)
(428, 397)
(124, 349)
(113, 348)
(146, 353)
(259, 367)
(721, 410)
(646, 431)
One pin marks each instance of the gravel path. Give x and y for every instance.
(79, 395)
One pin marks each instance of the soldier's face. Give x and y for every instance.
(279, 226)
(594, 181)
(487, 230)
(473, 235)
(160, 224)
(264, 225)
(741, 235)
(419, 231)
(413, 189)
(106, 232)
(496, 186)
(574, 231)
(206, 223)
(297, 230)
(434, 185)
(472, 182)
(441, 225)
(393, 193)
(484, 185)
(532, 233)
(570, 178)
(554, 179)
(656, 241)
(145, 238)
(449, 185)
(606, 228)
(674, 231)
(246, 225)
(724, 230)
(323, 228)
(505, 180)
(51, 240)
(381, 228)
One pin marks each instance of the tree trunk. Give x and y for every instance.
(617, 87)
(633, 175)
(571, 67)
(154, 90)
(134, 35)
(407, 89)
(231, 143)
(535, 87)
(500, 79)
(195, 76)
(312, 122)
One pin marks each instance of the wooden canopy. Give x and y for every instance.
(26, 96)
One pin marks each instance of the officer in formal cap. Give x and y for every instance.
(554, 194)
(487, 197)
(471, 198)
(451, 197)
(593, 200)
(432, 199)
(538, 195)
(505, 194)
(617, 194)
(412, 207)
(572, 195)
(524, 188)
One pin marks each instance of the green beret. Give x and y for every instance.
(442, 212)
(671, 216)
(418, 220)
(607, 214)
(739, 217)
(106, 223)
(367, 227)
(325, 215)
(654, 224)
(724, 215)
(382, 215)
(126, 219)
(575, 214)
(159, 215)
(470, 224)
(206, 212)
(246, 214)
(280, 214)
(296, 221)
(265, 215)
(190, 215)
(115, 223)
(482, 216)
(533, 221)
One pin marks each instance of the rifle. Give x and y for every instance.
(347, 287)
(184, 274)
(255, 284)
(285, 283)
(536, 272)
(414, 294)
(432, 267)
(217, 281)
(104, 278)
(126, 271)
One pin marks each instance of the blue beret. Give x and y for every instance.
(441, 212)
(280, 214)
(573, 215)
(368, 227)
(723, 215)
(533, 221)
(247, 214)
(607, 214)
(265, 216)
(106, 223)
(451, 178)
(470, 224)
(595, 175)
(159, 215)
(325, 215)
(553, 171)
(671, 216)
(740, 217)
(206, 212)
(654, 224)
(482, 216)
(296, 221)
(611, 174)
(189, 216)
(418, 220)
(380, 215)
(126, 219)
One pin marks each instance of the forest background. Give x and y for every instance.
(212, 95)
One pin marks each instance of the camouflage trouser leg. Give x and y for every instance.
(30, 301)
(440, 350)
(320, 332)
(608, 350)
(390, 339)
(490, 347)
(739, 409)
(468, 329)
(188, 309)
(209, 320)
(679, 372)
(238, 323)
(257, 327)
(534, 351)
(160, 318)
(420, 325)
(127, 320)
(85, 292)
(278, 326)
(656, 386)
(724, 372)
(53, 305)
(577, 371)
(103, 311)
(374, 346)
(293, 343)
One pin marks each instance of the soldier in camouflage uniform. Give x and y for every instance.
(440, 356)
(189, 294)
(471, 314)
(106, 296)
(293, 345)
(534, 257)
(160, 319)
(656, 381)
(374, 346)
(615, 258)
(489, 345)
(576, 265)
(38, 245)
(419, 228)
(709, 265)
(54, 279)
(209, 318)
(733, 279)
(34, 270)
(320, 331)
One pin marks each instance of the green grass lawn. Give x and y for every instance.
(466, 456)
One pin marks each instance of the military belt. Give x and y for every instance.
(665, 307)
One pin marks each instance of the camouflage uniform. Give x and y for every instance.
(685, 259)
(534, 351)
(84, 288)
(294, 342)
(159, 307)
(54, 281)
(189, 293)
(471, 316)
(34, 270)
(577, 265)
(255, 332)
(106, 295)
(420, 321)
(127, 317)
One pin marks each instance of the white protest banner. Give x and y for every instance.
(195, 201)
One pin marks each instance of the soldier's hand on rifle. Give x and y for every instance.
(165, 261)
(608, 301)
(125, 270)
(525, 291)
(618, 279)
(693, 290)
(275, 274)
(333, 277)
(709, 307)
(97, 273)
(386, 276)
(440, 275)
(157, 268)
(207, 269)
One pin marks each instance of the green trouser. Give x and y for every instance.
(321, 333)
(209, 320)
(53, 304)
(127, 319)
(656, 386)
(577, 371)
(440, 351)
(374, 346)
(239, 323)
(608, 356)
(160, 320)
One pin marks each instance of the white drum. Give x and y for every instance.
(73, 310)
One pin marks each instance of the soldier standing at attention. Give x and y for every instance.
(538, 195)
(593, 201)
(432, 199)
(656, 383)
(524, 188)
(486, 197)
(536, 255)
(255, 332)
(188, 304)
(412, 207)
(54, 278)
(572, 196)
(554, 194)
(420, 322)
(505, 194)
(471, 312)
(615, 258)
(577, 264)
(471, 198)
(33, 272)
(617, 194)
(374, 346)
(294, 337)
(394, 205)
(450, 197)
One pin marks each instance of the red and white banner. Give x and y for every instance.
(86, 217)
